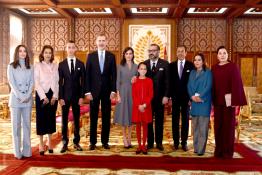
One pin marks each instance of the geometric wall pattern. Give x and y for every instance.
(202, 34)
(50, 31)
(86, 30)
(247, 35)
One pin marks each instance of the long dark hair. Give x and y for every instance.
(41, 56)
(15, 63)
(123, 61)
(203, 60)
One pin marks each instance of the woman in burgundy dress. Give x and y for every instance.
(228, 93)
(142, 93)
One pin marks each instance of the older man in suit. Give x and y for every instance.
(100, 86)
(158, 71)
(71, 92)
(179, 74)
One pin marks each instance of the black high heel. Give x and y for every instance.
(51, 151)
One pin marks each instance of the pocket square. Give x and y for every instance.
(78, 68)
(161, 69)
(188, 71)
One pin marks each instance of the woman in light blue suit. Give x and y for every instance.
(20, 77)
(199, 89)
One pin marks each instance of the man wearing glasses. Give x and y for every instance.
(158, 71)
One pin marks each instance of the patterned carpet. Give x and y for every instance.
(87, 162)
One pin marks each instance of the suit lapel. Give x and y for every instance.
(66, 67)
(159, 63)
(106, 62)
(96, 60)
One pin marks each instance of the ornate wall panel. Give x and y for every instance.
(4, 49)
(247, 71)
(259, 73)
(60, 34)
(112, 30)
(141, 36)
(82, 33)
(186, 34)
(87, 28)
(247, 35)
(51, 31)
(202, 34)
(218, 32)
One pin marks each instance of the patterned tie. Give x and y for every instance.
(181, 69)
(101, 61)
(72, 67)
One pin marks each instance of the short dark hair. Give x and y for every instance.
(123, 61)
(71, 41)
(41, 56)
(203, 60)
(182, 46)
(221, 47)
(158, 48)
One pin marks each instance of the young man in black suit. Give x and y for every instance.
(179, 74)
(158, 71)
(71, 92)
(100, 86)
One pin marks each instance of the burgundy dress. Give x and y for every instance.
(226, 80)
(142, 93)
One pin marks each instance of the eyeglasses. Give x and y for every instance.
(152, 50)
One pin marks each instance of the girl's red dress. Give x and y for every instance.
(142, 93)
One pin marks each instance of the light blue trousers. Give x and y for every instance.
(200, 133)
(21, 116)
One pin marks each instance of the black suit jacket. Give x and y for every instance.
(97, 82)
(178, 88)
(160, 78)
(71, 87)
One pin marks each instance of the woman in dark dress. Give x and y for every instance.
(228, 93)
(46, 86)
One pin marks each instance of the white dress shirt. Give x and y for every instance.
(151, 63)
(178, 64)
(101, 52)
(46, 77)
(69, 63)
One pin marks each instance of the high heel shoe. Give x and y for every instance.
(50, 151)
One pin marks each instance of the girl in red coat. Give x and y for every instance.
(142, 93)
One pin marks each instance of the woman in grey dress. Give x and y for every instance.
(123, 113)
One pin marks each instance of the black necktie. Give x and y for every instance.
(72, 67)
(154, 68)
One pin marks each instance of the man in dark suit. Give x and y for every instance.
(179, 74)
(100, 86)
(71, 92)
(158, 71)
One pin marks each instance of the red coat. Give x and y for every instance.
(227, 79)
(142, 93)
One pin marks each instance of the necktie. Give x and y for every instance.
(154, 67)
(181, 69)
(72, 67)
(101, 61)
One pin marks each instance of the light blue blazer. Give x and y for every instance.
(21, 81)
(202, 84)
